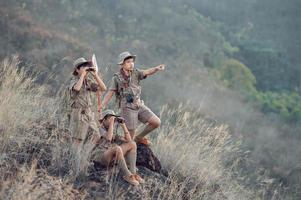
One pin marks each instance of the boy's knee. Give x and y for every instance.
(119, 152)
(133, 145)
(156, 122)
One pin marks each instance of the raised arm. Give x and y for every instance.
(111, 91)
(99, 81)
(109, 135)
(153, 70)
(126, 132)
(79, 83)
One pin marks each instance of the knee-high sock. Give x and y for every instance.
(122, 166)
(131, 158)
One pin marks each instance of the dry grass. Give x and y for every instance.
(192, 149)
(21, 101)
(23, 106)
(36, 184)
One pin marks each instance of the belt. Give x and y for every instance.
(76, 105)
(82, 110)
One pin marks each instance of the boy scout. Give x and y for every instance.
(107, 151)
(126, 86)
(80, 88)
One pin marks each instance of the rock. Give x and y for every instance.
(146, 158)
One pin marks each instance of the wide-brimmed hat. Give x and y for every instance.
(78, 62)
(107, 113)
(125, 55)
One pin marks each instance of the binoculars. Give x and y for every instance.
(90, 69)
(119, 120)
(129, 98)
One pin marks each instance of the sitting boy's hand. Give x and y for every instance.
(120, 120)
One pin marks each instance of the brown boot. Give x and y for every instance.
(139, 179)
(131, 179)
(144, 141)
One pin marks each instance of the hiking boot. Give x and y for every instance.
(144, 141)
(139, 179)
(131, 179)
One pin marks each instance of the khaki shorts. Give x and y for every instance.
(133, 114)
(81, 120)
(103, 146)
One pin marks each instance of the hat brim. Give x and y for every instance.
(79, 64)
(82, 63)
(131, 56)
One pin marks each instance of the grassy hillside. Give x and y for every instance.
(201, 70)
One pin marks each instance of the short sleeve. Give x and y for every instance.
(103, 132)
(73, 81)
(113, 84)
(141, 76)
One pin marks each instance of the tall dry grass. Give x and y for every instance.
(192, 150)
(37, 184)
(21, 101)
(24, 106)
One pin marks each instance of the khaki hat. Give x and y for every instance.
(78, 62)
(125, 55)
(108, 113)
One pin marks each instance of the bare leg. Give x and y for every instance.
(130, 151)
(117, 153)
(153, 123)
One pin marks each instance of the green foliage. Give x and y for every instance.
(287, 104)
(237, 76)
(269, 65)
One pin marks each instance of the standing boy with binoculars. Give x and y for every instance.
(80, 89)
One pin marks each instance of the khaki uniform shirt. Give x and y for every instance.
(82, 117)
(127, 86)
